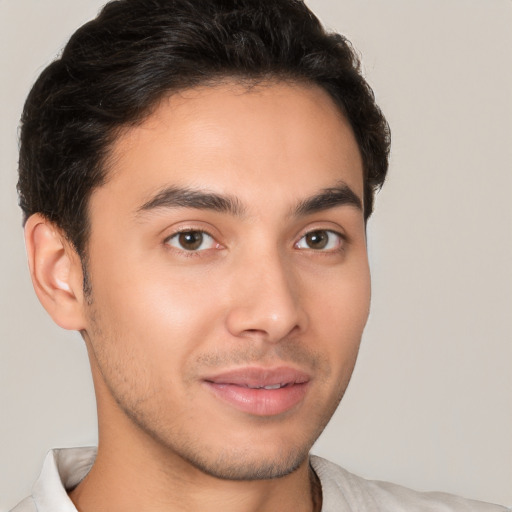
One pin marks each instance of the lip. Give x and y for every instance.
(247, 389)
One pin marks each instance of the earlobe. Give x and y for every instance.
(56, 272)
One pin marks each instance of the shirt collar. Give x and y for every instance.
(63, 469)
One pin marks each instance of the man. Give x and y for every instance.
(196, 178)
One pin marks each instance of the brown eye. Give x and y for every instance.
(321, 240)
(317, 239)
(191, 241)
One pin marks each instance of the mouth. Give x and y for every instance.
(260, 391)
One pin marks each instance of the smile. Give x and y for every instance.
(260, 392)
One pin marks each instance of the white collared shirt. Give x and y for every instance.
(342, 491)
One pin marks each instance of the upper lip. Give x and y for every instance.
(260, 377)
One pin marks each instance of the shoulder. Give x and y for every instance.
(344, 491)
(27, 505)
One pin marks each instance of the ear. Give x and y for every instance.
(56, 272)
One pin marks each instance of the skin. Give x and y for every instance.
(258, 292)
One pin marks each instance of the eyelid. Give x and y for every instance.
(187, 226)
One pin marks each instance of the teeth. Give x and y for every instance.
(272, 386)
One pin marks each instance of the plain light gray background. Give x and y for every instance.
(430, 403)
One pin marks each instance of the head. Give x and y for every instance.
(232, 150)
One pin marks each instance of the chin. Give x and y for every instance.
(245, 465)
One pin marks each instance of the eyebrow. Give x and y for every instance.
(184, 197)
(341, 195)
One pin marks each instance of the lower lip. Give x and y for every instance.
(260, 402)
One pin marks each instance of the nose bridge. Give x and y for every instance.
(265, 297)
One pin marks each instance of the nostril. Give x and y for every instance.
(258, 332)
(272, 334)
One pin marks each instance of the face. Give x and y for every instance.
(229, 275)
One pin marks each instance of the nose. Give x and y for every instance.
(265, 300)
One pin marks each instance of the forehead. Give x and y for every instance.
(229, 138)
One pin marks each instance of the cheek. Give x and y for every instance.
(343, 303)
(338, 317)
(144, 333)
(162, 311)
